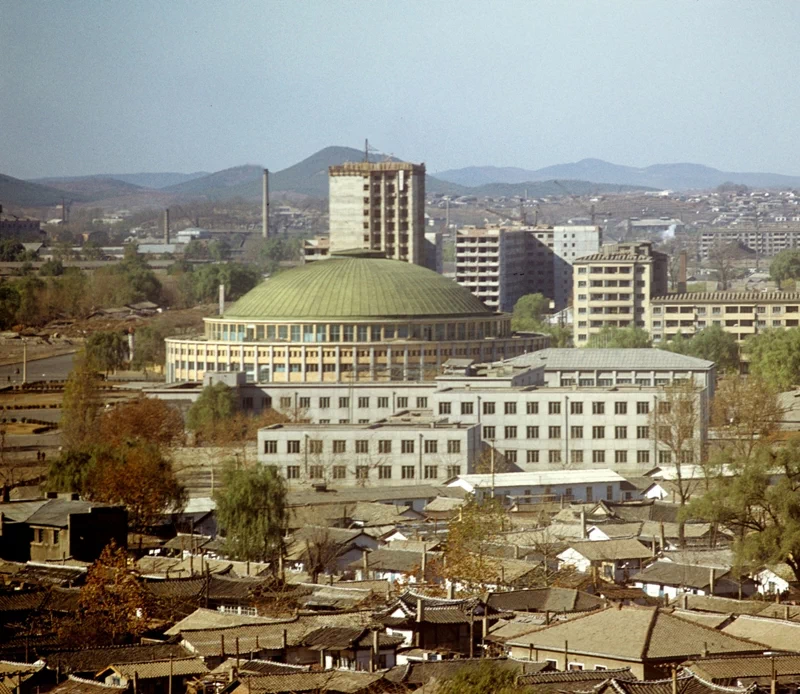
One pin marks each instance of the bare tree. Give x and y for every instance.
(722, 257)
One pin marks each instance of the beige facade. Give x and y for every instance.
(767, 240)
(742, 314)
(379, 206)
(614, 288)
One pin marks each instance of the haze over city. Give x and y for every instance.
(91, 87)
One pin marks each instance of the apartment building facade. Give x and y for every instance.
(742, 314)
(379, 206)
(501, 264)
(614, 288)
(766, 240)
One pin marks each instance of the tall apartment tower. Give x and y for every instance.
(379, 206)
(501, 264)
(614, 288)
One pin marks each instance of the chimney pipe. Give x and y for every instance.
(265, 205)
(583, 523)
(166, 225)
(424, 562)
(674, 680)
(711, 581)
(682, 273)
(365, 565)
(451, 591)
(663, 538)
(420, 610)
(221, 299)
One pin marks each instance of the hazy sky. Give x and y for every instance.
(114, 86)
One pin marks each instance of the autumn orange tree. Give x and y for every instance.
(146, 419)
(113, 606)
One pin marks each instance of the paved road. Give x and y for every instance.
(52, 368)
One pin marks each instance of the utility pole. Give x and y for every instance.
(24, 361)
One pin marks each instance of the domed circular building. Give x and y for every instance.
(356, 316)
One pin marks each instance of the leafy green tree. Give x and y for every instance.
(11, 250)
(216, 404)
(529, 312)
(775, 357)
(713, 344)
(107, 350)
(51, 268)
(760, 503)
(70, 471)
(620, 338)
(196, 250)
(238, 280)
(9, 305)
(785, 266)
(80, 407)
(484, 677)
(251, 510)
(219, 250)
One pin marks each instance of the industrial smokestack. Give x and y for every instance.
(221, 299)
(166, 225)
(265, 206)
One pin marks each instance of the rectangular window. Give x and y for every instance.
(532, 407)
(620, 408)
(598, 408)
(488, 432)
(286, 403)
(454, 446)
(589, 494)
(315, 446)
(407, 446)
(56, 536)
(598, 432)
(598, 456)
(339, 472)
(664, 457)
(402, 403)
(444, 408)
(466, 407)
(422, 403)
(488, 408)
(324, 403)
(316, 472)
(642, 432)
(407, 472)
(511, 456)
(620, 456)
(620, 432)
(532, 432)
(362, 472)
(339, 446)
(664, 407)
(431, 446)
(554, 432)
(363, 403)
(304, 403)
(453, 471)
(383, 402)
(384, 472)
(431, 472)
(554, 408)
(344, 402)
(292, 472)
(293, 446)
(643, 457)
(362, 446)
(384, 446)
(270, 447)
(642, 408)
(576, 432)
(554, 456)
(532, 456)
(510, 408)
(576, 457)
(576, 408)
(510, 432)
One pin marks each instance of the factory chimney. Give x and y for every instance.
(265, 206)
(682, 273)
(166, 225)
(221, 299)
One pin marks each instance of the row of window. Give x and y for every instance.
(363, 472)
(598, 407)
(362, 402)
(338, 446)
(575, 432)
(577, 456)
(717, 310)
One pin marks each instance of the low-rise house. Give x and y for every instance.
(397, 566)
(646, 639)
(153, 676)
(81, 685)
(746, 669)
(321, 549)
(21, 678)
(683, 683)
(422, 673)
(86, 662)
(331, 681)
(775, 579)
(353, 648)
(544, 600)
(439, 624)
(611, 560)
(778, 634)
(667, 578)
(576, 679)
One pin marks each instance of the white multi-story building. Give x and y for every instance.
(379, 206)
(501, 264)
(406, 450)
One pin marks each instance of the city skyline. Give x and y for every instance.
(101, 87)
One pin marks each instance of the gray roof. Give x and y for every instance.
(673, 574)
(56, 512)
(20, 511)
(622, 359)
(380, 494)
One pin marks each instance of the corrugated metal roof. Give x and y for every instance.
(589, 358)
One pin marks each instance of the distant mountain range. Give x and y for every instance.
(309, 177)
(659, 176)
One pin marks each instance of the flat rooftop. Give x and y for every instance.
(558, 359)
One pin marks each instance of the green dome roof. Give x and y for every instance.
(357, 287)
